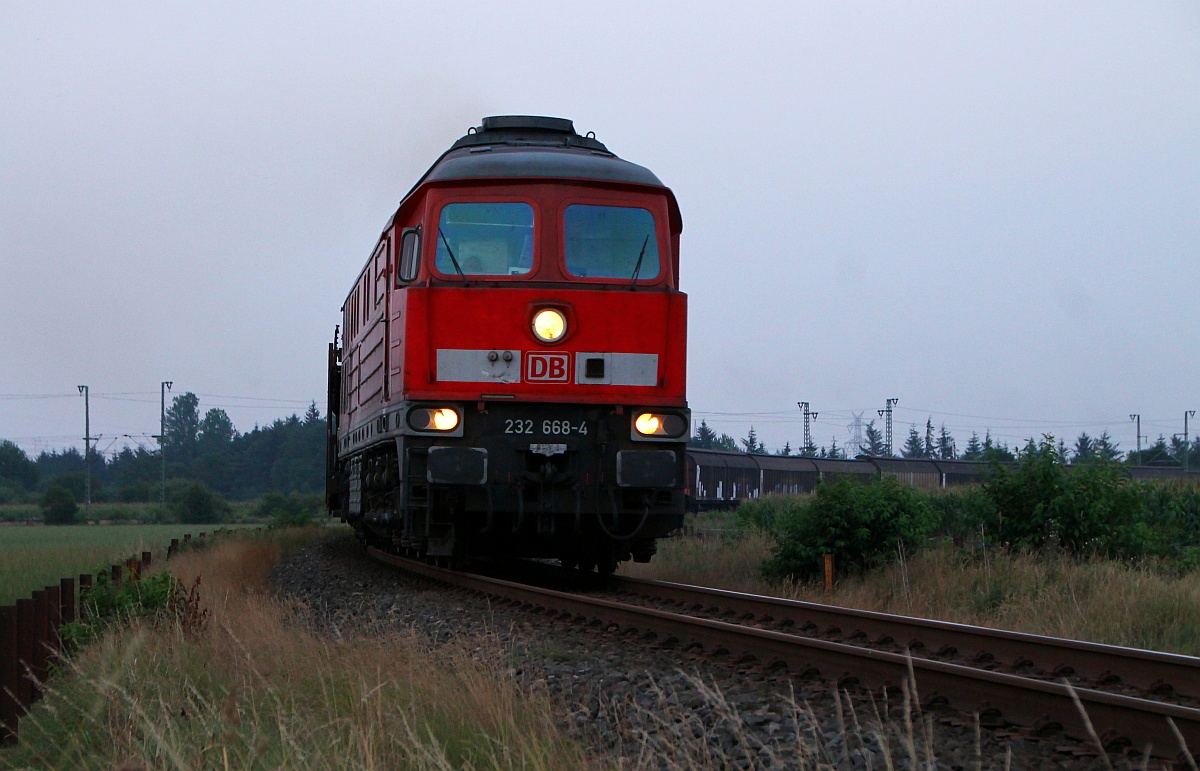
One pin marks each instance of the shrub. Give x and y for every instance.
(961, 512)
(1094, 507)
(195, 504)
(861, 525)
(764, 513)
(292, 510)
(107, 603)
(58, 506)
(1173, 510)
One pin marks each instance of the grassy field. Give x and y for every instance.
(34, 557)
(242, 684)
(246, 687)
(131, 513)
(1107, 601)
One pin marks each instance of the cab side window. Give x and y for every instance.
(409, 256)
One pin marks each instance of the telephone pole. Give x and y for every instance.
(162, 439)
(1187, 446)
(1136, 418)
(887, 413)
(87, 451)
(808, 417)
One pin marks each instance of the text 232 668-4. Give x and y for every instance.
(547, 427)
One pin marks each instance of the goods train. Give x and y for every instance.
(720, 479)
(510, 378)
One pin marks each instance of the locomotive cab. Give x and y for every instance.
(512, 378)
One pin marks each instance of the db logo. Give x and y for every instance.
(546, 367)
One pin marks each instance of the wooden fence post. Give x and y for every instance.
(67, 592)
(85, 586)
(53, 622)
(24, 654)
(147, 560)
(115, 571)
(38, 656)
(9, 708)
(173, 549)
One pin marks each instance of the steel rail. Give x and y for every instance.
(1151, 671)
(1117, 720)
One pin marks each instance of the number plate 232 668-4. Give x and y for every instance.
(546, 427)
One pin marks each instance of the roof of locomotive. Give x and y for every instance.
(533, 146)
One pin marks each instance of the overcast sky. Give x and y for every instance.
(991, 213)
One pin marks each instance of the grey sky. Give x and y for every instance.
(992, 213)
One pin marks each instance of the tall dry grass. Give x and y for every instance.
(249, 688)
(1043, 593)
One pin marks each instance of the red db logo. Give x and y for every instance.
(546, 367)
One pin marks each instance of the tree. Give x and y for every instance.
(929, 446)
(58, 506)
(913, 446)
(787, 449)
(1157, 454)
(1105, 449)
(809, 450)
(705, 438)
(996, 453)
(875, 445)
(1083, 449)
(216, 431)
(16, 469)
(725, 442)
(1179, 449)
(974, 450)
(182, 425)
(312, 414)
(945, 447)
(752, 445)
(197, 505)
(835, 452)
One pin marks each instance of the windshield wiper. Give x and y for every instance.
(638, 268)
(450, 252)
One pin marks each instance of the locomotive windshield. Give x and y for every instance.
(485, 239)
(610, 242)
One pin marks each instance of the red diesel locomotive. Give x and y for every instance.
(511, 376)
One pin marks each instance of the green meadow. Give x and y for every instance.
(34, 557)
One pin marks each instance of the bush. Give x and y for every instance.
(861, 525)
(962, 512)
(58, 506)
(195, 504)
(1094, 507)
(766, 512)
(107, 603)
(293, 510)
(1173, 510)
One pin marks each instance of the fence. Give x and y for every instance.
(30, 640)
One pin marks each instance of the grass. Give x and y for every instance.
(34, 557)
(1100, 600)
(246, 685)
(248, 688)
(131, 513)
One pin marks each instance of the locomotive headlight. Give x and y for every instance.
(433, 419)
(648, 424)
(445, 419)
(549, 325)
(659, 425)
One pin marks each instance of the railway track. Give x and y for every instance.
(860, 657)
